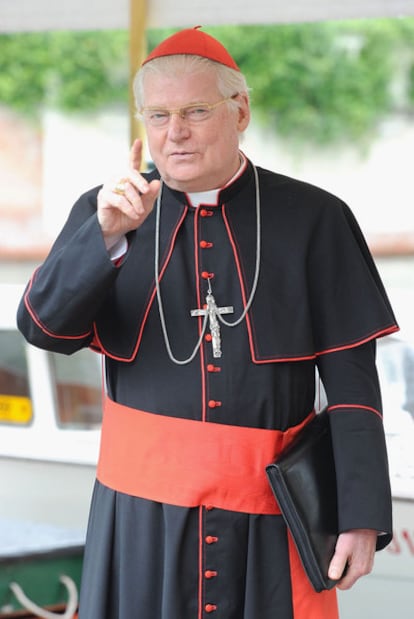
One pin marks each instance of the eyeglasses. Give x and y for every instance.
(193, 114)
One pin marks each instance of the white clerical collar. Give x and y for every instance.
(210, 197)
(203, 197)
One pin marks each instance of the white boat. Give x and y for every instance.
(50, 410)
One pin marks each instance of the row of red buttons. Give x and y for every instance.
(206, 244)
(209, 539)
(210, 367)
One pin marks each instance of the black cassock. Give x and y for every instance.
(319, 303)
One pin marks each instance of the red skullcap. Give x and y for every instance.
(195, 42)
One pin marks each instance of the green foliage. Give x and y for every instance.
(71, 70)
(411, 85)
(320, 82)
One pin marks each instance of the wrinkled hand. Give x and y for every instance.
(119, 214)
(354, 549)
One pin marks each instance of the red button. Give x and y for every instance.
(210, 574)
(207, 275)
(208, 337)
(205, 245)
(213, 368)
(211, 539)
(205, 213)
(209, 507)
(213, 403)
(210, 608)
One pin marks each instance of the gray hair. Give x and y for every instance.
(229, 81)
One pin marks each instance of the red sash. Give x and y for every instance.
(189, 463)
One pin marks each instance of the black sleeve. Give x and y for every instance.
(354, 402)
(64, 295)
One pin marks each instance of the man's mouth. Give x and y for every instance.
(183, 153)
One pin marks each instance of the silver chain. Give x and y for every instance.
(157, 278)
(257, 266)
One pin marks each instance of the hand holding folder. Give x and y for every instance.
(303, 481)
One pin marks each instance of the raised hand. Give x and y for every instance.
(125, 203)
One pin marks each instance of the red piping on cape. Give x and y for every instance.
(150, 302)
(372, 336)
(241, 281)
(368, 338)
(255, 359)
(304, 357)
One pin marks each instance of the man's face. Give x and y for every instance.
(194, 156)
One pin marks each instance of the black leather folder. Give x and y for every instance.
(303, 481)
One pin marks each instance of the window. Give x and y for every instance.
(396, 372)
(15, 402)
(78, 392)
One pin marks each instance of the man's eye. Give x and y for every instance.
(159, 115)
(197, 113)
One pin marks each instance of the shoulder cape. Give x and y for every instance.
(318, 291)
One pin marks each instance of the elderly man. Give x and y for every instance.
(213, 309)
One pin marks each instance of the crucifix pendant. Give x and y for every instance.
(213, 311)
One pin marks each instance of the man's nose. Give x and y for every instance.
(178, 127)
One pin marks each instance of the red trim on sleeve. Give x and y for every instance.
(357, 406)
(43, 327)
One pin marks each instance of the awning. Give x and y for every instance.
(32, 15)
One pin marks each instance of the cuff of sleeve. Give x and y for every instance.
(119, 249)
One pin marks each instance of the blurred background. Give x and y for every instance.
(332, 94)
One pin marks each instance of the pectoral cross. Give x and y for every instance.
(213, 311)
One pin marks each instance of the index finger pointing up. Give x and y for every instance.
(135, 155)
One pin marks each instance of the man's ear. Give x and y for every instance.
(243, 112)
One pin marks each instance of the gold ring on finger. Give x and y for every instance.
(120, 187)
